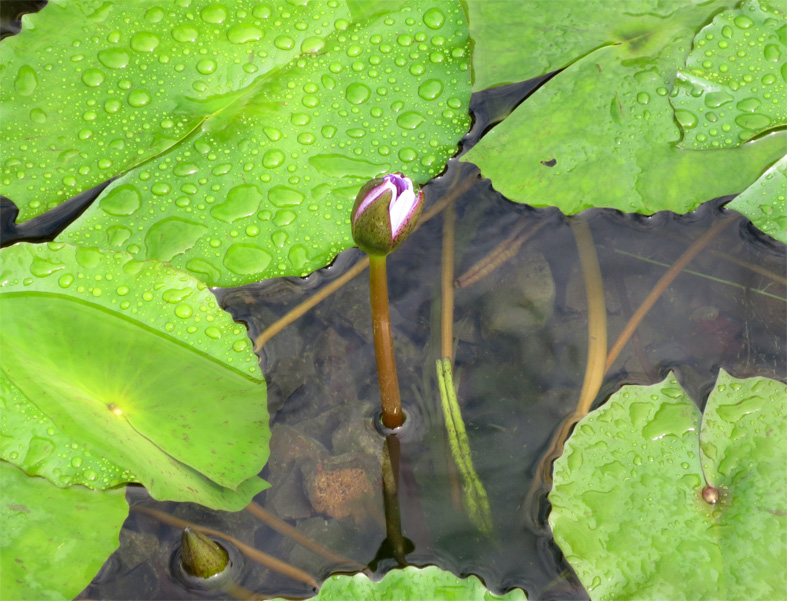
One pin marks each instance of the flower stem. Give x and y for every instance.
(447, 284)
(393, 517)
(383, 344)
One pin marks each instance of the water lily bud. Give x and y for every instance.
(201, 556)
(386, 211)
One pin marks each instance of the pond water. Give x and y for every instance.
(520, 339)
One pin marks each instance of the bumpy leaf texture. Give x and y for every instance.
(734, 84)
(411, 584)
(765, 201)
(244, 129)
(602, 132)
(627, 503)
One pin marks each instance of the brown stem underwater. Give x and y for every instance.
(383, 344)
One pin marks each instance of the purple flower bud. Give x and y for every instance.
(385, 212)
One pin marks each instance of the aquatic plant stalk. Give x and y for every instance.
(284, 528)
(385, 213)
(392, 417)
(302, 308)
(594, 367)
(447, 284)
(639, 350)
(264, 559)
(764, 272)
(474, 494)
(661, 286)
(597, 316)
(393, 517)
(500, 254)
(778, 278)
(311, 302)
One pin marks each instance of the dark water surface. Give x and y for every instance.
(520, 336)
(521, 339)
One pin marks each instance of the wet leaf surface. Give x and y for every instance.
(602, 132)
(53, 541)
(627, 502)
(535, 41)
(411, 584)
(734, 84)
(765, 201)
(139, 363)
(248, 132)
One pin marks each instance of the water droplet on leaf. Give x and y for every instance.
(430, 89)
(114, 58)
(138, 98)
(214, 13)
(123, 200)
(26, 81)
(145, 41)
(242, 201)
(357, 93)
(434, 18)
(206, 66)
(92, 78)
(245, 32)
(246, 259)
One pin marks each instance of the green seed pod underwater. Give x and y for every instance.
(200, 556)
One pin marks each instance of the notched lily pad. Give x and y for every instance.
(607, 124)
(734, 84)
(115, 370)
(411, 584)
(627, 503)
(53, 540)
(765, 201)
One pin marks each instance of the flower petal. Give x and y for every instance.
(372, 196)
(400, 209)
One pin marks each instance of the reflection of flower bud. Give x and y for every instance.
(385, 212)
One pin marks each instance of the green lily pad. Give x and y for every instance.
(409, 584)
(116, 370)
(627, 503)
(53, 540)
(765, 201)
(515, 40)
(601, 133)
(258, 127)
(734, 85)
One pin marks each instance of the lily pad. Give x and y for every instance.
(515, 40)
(601, 133)
(246, 134)
(413, 584)
(627, 504)
(765, 201)
(53, 540)
(116, 370)
(734, 85)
